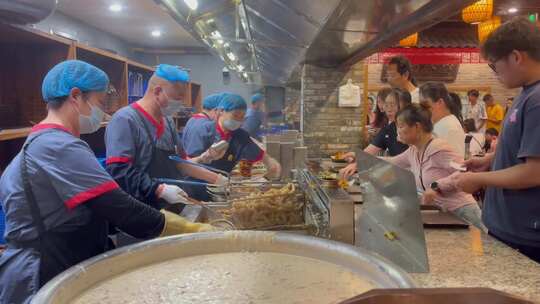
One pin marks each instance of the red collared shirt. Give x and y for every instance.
(160, 127)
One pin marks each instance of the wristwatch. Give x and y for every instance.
(435, 187)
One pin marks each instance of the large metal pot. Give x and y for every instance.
(73, 282)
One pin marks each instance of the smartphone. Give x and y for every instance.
(220, 146)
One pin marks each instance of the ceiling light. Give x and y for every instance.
(156, 33)
(231, 56)
(115, 7)
(245, 75)
(192, 4)
(512, 10)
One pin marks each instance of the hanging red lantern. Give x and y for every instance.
(478, 12)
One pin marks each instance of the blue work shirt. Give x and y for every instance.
(253, 121)
(514, 215)
(129, 150)
(64, 174)
(203, 133)
(199, 125)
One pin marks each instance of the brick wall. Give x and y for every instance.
(469, 75)
(292, 107)
(328, 128)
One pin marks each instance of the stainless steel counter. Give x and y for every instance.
(464, 258)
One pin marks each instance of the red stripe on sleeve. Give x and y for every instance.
(115, 160)
(258, 158)
(90, 194)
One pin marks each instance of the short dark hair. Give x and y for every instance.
(403, 65)
(401, 96)
(510, 98)
(435, 91)
(473, 92)
(469, 125)
(517, 34)
(56, 103)
(487, 97)
(382, 93)
(416, 113)
(492, 131)
(380, 117)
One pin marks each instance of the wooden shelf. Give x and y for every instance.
(99, 52)
(9, 134)
(116, 68)
(139, 66)
(194, 96)
(26, 56)
(27, 35)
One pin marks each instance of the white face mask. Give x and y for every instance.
(232, 125)
(174, 106)
(92, 123)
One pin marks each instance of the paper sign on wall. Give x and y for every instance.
(349, 95)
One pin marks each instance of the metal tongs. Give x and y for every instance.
(214, 218)
(179, 182)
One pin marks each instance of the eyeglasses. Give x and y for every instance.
(492, 67)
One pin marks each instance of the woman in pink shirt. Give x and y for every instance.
(429, 159)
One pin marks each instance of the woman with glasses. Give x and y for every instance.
(386, 140)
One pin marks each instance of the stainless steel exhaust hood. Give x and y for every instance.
(265, 40)
(25, 11)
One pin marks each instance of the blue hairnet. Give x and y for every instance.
(212, 101)
(230, 102)
(172, 73)
(73, 74)
(257, 97)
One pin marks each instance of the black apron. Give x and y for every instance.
(161, 166)
(232, 156)
(59, 249)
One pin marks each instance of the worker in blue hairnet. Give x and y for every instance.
(198, 123)
(58, 200)
(255, 116)
(210, 104)
(230, 116)
(141, 137)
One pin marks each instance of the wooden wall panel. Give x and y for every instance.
(117, 72)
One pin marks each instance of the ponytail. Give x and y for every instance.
(455, 106)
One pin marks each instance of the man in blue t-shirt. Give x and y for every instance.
(512, 204)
